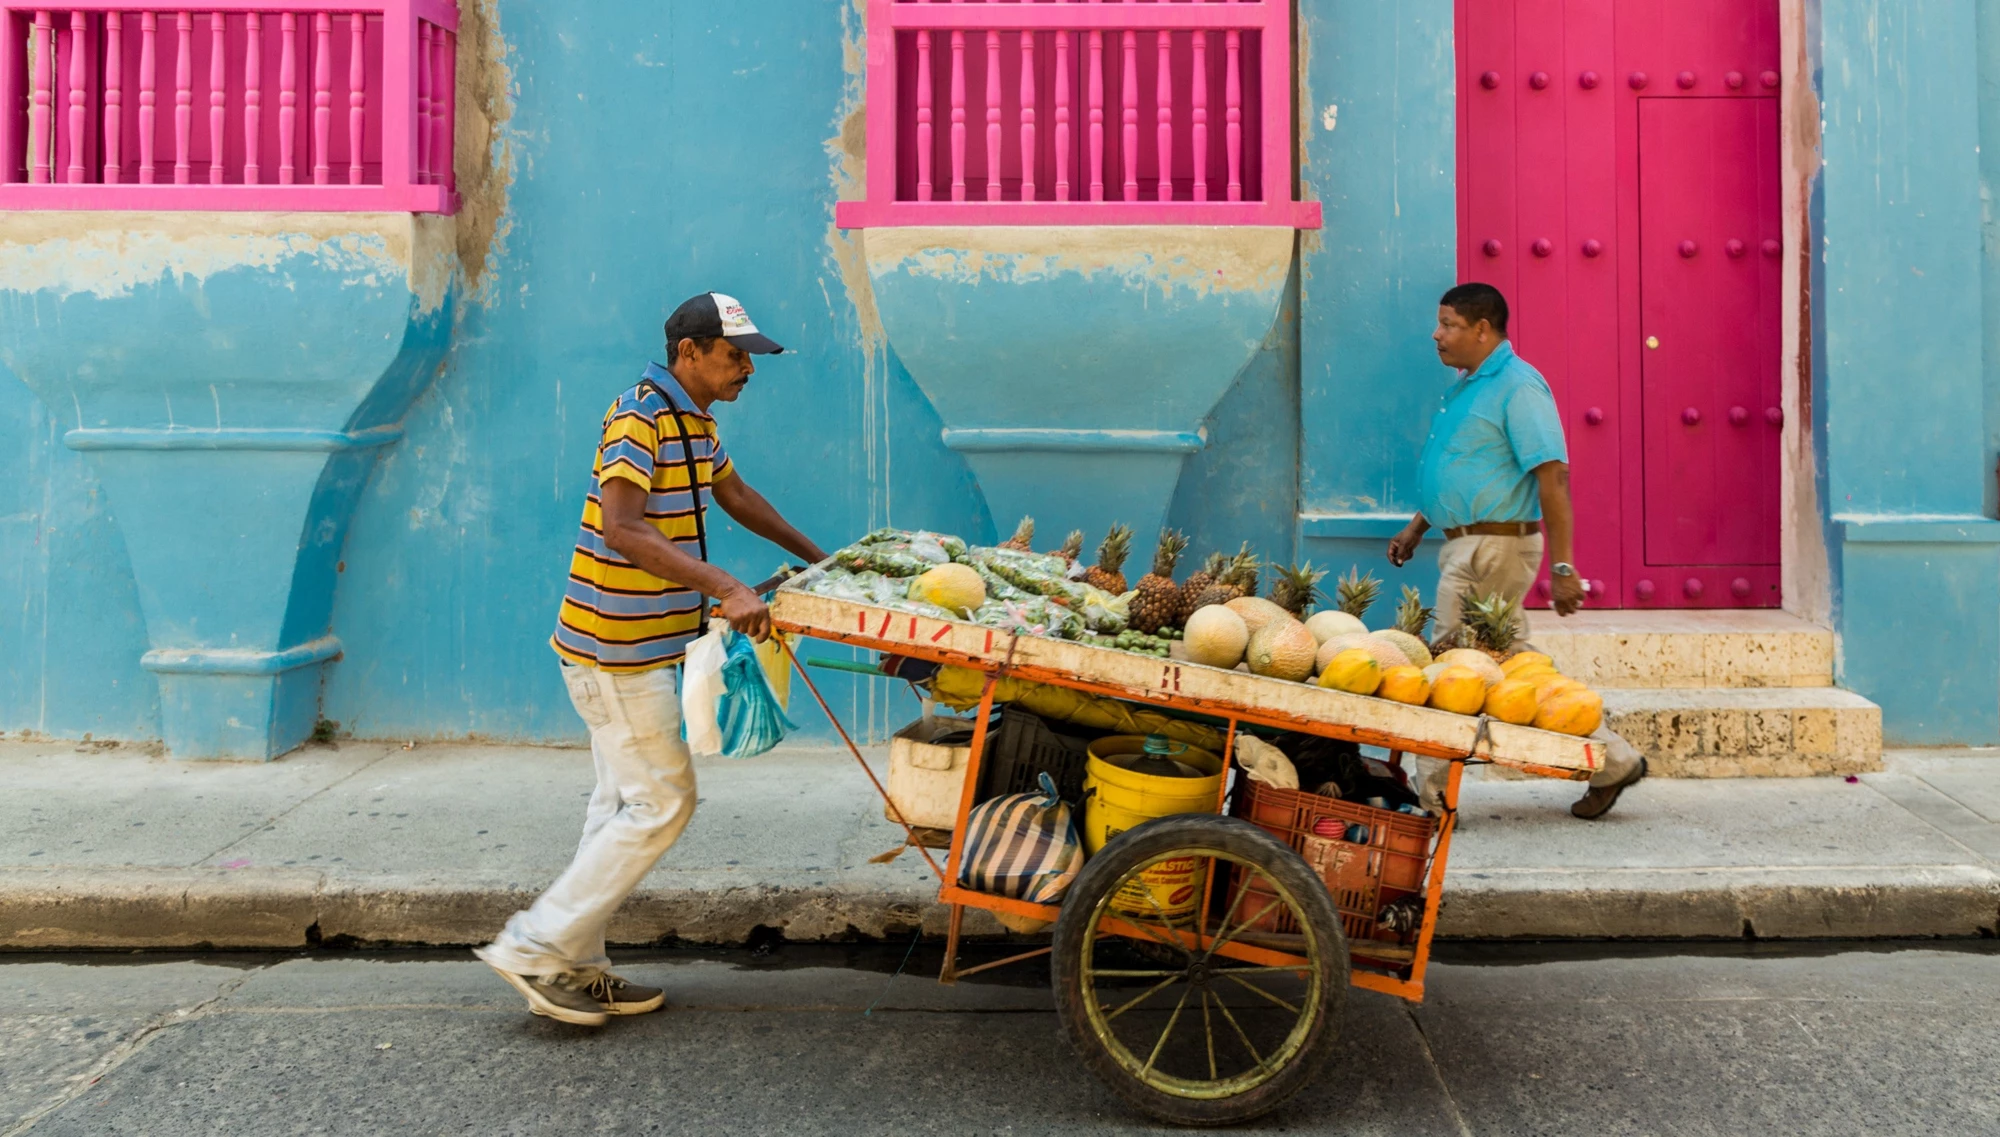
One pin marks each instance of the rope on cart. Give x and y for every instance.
(908, 829)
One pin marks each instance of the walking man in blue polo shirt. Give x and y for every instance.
(1495, 478)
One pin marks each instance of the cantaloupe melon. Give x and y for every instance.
(1353, 671)
(1413, 649)
(1257, 612)
(1522, 659)
(1481, 663)
(1215, 636)
(1405, 685)
(1458, 689)
(1385, 653)
(1333, 622)
(1512, 700)
(956, 587)
(1282, 649)
(1575, 712)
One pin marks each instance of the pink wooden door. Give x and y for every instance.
(1708, 206)
(1552, 164)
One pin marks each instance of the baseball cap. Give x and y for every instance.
(713, 314)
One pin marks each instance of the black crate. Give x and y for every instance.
(1024, 746)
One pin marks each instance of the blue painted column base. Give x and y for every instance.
(251, 705)
(1077, 479)
(1919, 623)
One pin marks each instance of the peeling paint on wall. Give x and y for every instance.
(483, 149)
(108, 254)
(1201, 260)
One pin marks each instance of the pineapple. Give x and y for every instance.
(1493, 622)
(1023, 538)
(1411, 615)
(1158, 605)
(1072, 546)
(1108, 574)
(1296, 587)
(1197, 583)
(1355, 592)
(1238, 580)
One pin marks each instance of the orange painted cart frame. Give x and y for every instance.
(1235, 697)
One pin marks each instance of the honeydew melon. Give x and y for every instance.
(1215, 636)
(1333, 622)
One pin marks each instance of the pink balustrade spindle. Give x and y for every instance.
(41, 137)
(1062, 116)
(1163, 100)
(1128, 116)
(924, 142)
(183, 96)
(357, 93)
(444, 73)
(423, 103)
(1233, 92)
(1029, 154)
(114, 93)
(253, 95)
(958, 116)
(288, 96)
(322, 97)
(149, 97)
(79, 78)
(1096, 115)
(1200, 115)
(218, 108)
(993, 116)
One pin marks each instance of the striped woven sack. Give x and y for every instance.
(1022, 846)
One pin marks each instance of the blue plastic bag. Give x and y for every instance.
(748, 713)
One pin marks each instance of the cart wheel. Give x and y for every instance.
(1193, 1035)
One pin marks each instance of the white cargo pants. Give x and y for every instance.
(643, 800)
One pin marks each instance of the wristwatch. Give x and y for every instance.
(1562, 568)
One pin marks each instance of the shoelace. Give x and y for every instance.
(604, 987)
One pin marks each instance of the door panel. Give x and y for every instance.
(1709, 301)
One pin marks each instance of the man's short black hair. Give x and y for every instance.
(1476, 302)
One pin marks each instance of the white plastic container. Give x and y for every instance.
(926, 779)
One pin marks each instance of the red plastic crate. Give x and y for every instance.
(1362, 877)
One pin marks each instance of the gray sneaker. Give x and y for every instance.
(559, 997)
(620, 997)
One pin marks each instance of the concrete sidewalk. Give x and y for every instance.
(437, 844)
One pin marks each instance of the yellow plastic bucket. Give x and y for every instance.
(1117, 798)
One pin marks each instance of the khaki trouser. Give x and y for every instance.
(1486, 566)
(1500, 566)
(645, 795)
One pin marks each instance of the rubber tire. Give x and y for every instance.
(1230, 835)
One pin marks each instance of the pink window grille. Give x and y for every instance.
(235, 106)
(1067, 112)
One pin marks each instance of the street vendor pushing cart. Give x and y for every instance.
(1495, 478)
(639, 582)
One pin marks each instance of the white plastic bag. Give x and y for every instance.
(702, 688)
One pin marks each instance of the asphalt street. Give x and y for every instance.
(1809, 1039)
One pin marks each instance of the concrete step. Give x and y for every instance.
(1736, 649)
(1719, 732)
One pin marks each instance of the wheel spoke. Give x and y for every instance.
(1143, 996)
(1216, 944)
(1164, 1034)
(1208, 1028)
(1127, 974)
(1247, 1045)
(1153, 933)
(1296, 968)
(1259, 990)
(1167, 920)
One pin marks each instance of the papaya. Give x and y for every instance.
(1512, 700)
(1548, 686)
(1459, 690)
(1354, 671)
(1522, 659)
(1405, 685)
(1575, 712)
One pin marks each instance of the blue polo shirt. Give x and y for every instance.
(1492, 429)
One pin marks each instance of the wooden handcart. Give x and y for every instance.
(1224, 1012)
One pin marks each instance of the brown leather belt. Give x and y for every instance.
(1495, 529)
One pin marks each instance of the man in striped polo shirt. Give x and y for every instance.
(638, 584)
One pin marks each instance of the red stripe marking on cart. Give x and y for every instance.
(883, 631)
(861, 622)
(943, 631)
(989, 640)
(913, 628)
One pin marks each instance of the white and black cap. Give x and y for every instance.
(712, 314)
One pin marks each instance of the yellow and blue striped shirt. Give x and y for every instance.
(616, 615)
